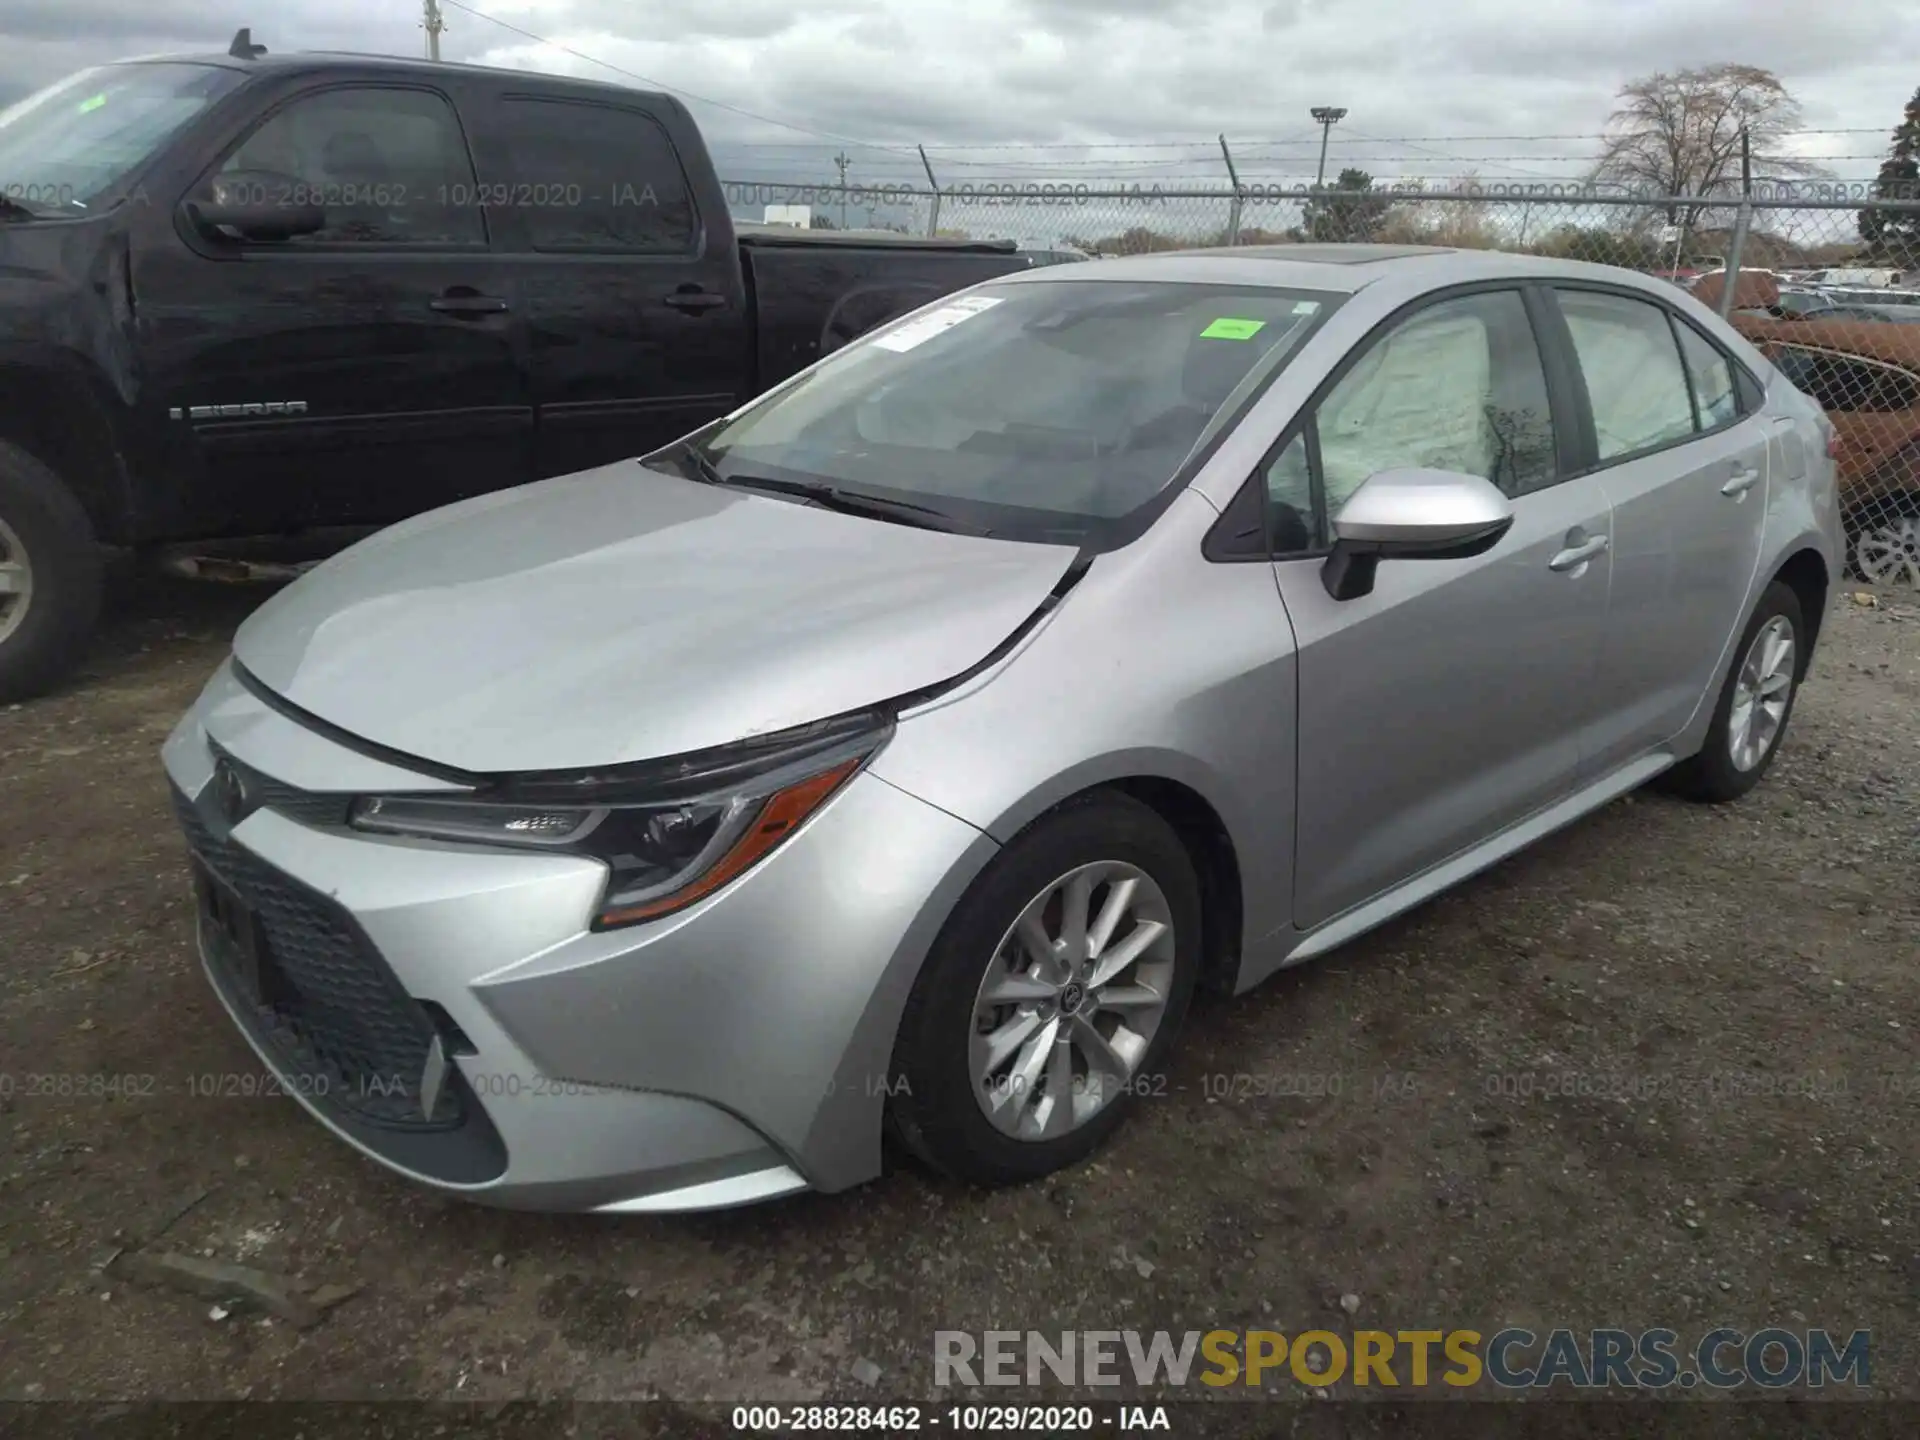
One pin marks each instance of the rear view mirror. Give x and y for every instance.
(1412, 515)
(255, 205)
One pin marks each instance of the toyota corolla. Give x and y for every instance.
(896, 755)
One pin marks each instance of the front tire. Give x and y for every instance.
(1756, 702)
(1051, 995)
(50, 576)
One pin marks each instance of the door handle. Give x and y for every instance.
(694, 300)
(1574, 556)
(468, 305)
(1743, 480)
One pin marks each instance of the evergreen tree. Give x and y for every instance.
(1890, 232)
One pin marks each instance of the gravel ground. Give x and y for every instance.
(1683, 967)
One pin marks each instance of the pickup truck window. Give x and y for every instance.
(388, 165)
(1034, 409)
(65, 147)
(584, 176)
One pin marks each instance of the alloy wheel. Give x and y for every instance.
(1889, 554)
(1071, 1000)
(1760, 694)
(16, 581)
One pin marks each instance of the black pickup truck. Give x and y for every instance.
(304, 295)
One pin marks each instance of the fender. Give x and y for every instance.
(68, 412)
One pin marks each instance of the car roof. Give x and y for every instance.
(1343, 269)
(295, 61)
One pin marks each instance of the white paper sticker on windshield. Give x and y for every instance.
(1306, 307)
(936, 322)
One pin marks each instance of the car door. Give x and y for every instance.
(634, 301)
(350, 376)
(1682, 453)
(1448, 703)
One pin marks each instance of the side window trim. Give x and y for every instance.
(1745, 404)
(336, 247)
(1686, 373)
(502, 103)
(1304, 422)
(1574, 442)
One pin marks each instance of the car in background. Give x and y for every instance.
(1058, 256)
(275, 301)
(1795, 303)
(1865, 374)
(897, 754)
(1875, 314)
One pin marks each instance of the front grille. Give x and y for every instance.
(335, 1016)
(306, 807)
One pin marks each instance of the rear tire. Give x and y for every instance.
(50, 576)
(1047, 1105)
(1750, 720)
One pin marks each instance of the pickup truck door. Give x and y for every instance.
(624, 261)
(351, 376)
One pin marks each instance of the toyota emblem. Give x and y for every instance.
(230, 791)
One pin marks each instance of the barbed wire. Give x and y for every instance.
(1313, 140)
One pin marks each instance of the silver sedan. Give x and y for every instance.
(896, 755)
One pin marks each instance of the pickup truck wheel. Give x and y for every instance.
(1051, 996)
(50, 576)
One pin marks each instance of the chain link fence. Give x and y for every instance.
(1829, 282)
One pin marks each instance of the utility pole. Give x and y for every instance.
(433, 26)
(843, 160)
(1326, 117)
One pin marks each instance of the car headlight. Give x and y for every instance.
(669, 832)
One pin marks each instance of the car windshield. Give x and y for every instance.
(65, 147)
(1043, 410)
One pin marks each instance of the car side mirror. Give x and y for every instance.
(1412, 515)
(254, 205)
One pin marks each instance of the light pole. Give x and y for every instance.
(842, 160)
(1326, 117)
(433, 25)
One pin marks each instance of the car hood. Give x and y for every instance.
(623, 614)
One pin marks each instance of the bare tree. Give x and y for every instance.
(1680, 134)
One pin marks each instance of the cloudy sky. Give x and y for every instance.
(985, 83)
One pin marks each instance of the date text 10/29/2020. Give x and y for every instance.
(951, 1419)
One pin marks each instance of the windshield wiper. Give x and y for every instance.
(829, 497)
(852, 502)
(12, 209)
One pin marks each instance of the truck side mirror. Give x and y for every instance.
(254, 205)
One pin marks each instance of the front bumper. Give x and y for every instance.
(446, 1010)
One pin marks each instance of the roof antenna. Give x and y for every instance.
(243, 47)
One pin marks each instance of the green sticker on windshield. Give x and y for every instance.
(1227, 329)
(94, 104)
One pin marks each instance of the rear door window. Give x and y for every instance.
(1711, 374)
(586, 176)
(1630, 361)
